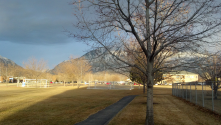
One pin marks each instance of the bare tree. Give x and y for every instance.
(74, 69)
(82, 67)
(161, 28)
(35, 68)
(209, 68)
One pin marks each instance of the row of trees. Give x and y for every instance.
(74, 70)
(8, 70)
(33, 69)
(79, 69)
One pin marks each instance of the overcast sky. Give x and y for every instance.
(36, 28)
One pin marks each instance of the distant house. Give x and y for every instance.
(179, 77)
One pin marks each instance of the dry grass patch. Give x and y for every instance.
(168, 110)
(63, 105)
(133, 114)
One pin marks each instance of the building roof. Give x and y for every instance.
(181, 73)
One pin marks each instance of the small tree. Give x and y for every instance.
(35, 68)
(82, 68)
(74, 69)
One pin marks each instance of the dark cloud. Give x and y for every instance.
(36, 28)
(35, 21)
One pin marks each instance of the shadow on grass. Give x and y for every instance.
(54, 110)
(69, 107)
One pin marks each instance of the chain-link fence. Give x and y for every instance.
(205, 94)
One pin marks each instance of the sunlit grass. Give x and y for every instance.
(61, 105)
(168, 110)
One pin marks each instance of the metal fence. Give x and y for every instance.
(206, 94)
(111, 85)
(42, 85)
(89, 85)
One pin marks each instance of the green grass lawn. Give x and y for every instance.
(61, 105)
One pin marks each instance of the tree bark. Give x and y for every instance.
(215, 90)
(144, 87)
(144, 84)
(149, 112)
(149, 115)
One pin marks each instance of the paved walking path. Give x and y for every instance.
(104, 116)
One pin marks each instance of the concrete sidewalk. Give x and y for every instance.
(104, 116)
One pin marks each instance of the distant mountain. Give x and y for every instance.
(99, 59)
(7, 61)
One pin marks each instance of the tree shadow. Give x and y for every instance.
(58, 109)
(69, 107)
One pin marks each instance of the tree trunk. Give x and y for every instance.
(149, 112)
(78, 83)
(215, 90)
(144, 87)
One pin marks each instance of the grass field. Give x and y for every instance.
(69, 105)
(168, 110)
(59, 105)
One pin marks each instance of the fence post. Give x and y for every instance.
(130, 86)
(110, 85)
(196, 92)
(182, 90)
(177, 90)
(114, 85)
(212, 98)
(190, 92)
(202, 95)
(172, 89)
(186, 91)
(95, 84)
